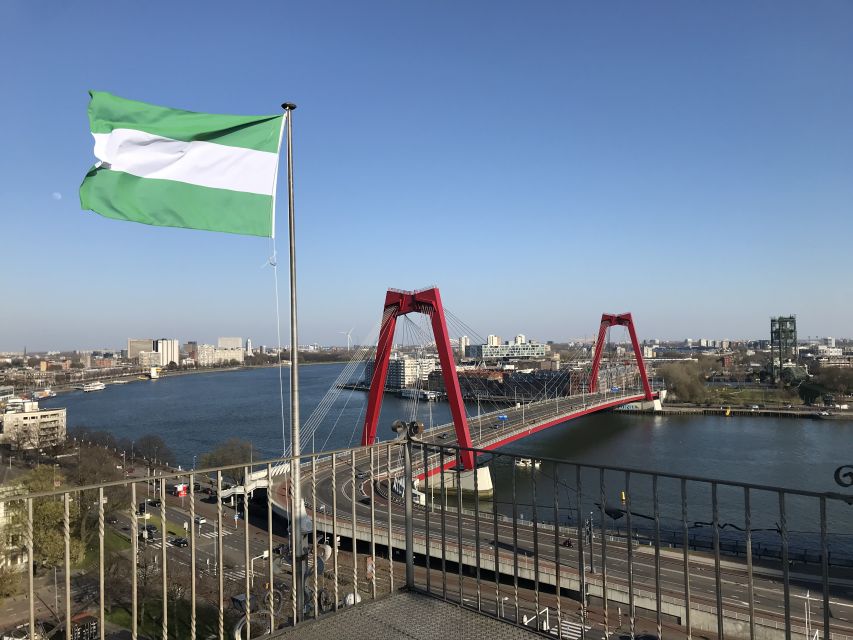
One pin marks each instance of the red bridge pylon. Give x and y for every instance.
(399, 303)
(624, 320)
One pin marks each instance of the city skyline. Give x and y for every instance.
(579, 160)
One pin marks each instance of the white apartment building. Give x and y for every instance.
(206, 355)
(404, 371)
(32, 428)
(169, 350)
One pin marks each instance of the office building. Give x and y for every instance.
(230, 343)
(506, 351)
(135, 345)
(249, 347)
(783, 342)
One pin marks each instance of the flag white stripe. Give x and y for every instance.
(205, 164)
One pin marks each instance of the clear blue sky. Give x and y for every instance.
(541, 162)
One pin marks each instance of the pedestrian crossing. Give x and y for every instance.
(571, 630)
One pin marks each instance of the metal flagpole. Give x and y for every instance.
(296, 504)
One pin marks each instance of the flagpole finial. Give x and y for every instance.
(288, 106)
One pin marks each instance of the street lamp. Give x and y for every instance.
(265, 554)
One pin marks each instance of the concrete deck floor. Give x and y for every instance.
(407, 615)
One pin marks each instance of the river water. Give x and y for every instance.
(193, 413)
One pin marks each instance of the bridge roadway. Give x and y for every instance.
(372, 515)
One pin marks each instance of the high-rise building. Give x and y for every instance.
(230, 343)
(169, 351)
(249, 347)
(135, 345)
(520, 338)
(493, 341)
(191, 349)
(783, 342)
(464, 341)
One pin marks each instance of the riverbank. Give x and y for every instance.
(140, 376)
(813, 413)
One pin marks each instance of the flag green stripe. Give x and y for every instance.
(108, 112)
(168, 203)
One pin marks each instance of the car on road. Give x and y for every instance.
(444, 436)
(180, 542)
(199, 520)
(154, 502)
(111, 519)
(361, 475)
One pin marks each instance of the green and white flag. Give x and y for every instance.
(173, 168)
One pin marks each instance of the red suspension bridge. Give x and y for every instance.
(516, 422)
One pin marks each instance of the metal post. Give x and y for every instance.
(296, 511)
(408, 498)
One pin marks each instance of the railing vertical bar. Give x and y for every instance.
(632, 611)
(443, 495)
(353, 502)
(372, 523)
(271, 573)
(31, 568)
(134, 548)
(335, 545)
(316, 590)
(715, 512)
(581, 558)
(163, 557)
(498, 610)
(459, 565)
(66, 521)
(535, 543)
(101, 562)
(295, 556)
(390, 530)
(409, 513)
(218, 563)
(786, 572)
(192, 528)
(514, 540)
(747, 510)
(477, 559)
(602, 512)
(686, 566)
(247, 551)
(557, 567)
(428, 506)
(656, 508)
(824, 567)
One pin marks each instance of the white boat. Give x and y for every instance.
(94, 386)
(528, 463)
(420, 394)
(43, 394)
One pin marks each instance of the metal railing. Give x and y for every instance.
(562, 548)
